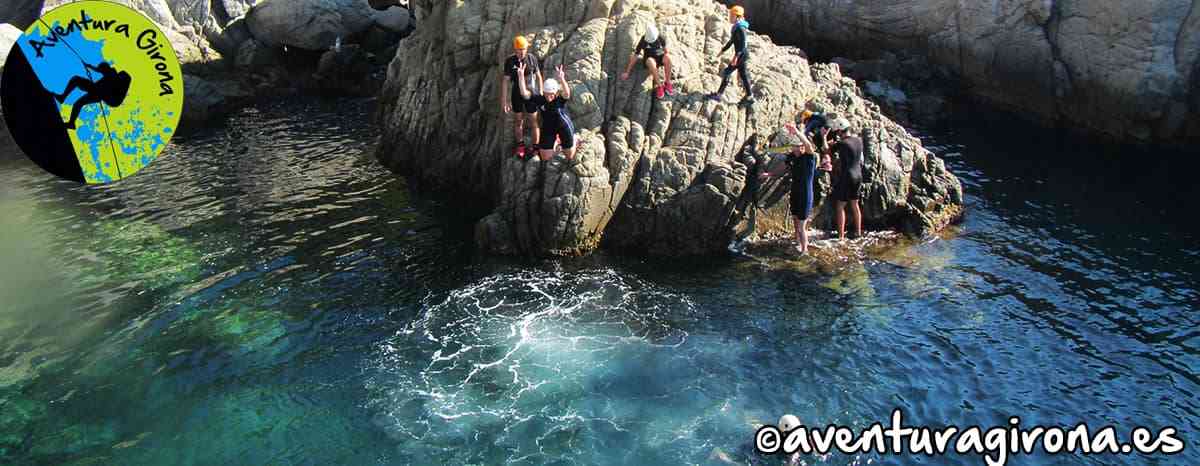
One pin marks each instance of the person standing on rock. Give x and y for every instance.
(552, 109)
(653, 50)
(521, 67)
(802, 161)
(848, 179)
(737, 39)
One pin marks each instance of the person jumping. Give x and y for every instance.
(552, 109)
(512, 101)
(737, 39)
(111, 89)
(653, 50)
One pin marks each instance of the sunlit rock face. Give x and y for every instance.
(1128, 70)
(655, 176)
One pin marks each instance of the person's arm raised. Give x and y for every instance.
(521, 81)
(562, 81)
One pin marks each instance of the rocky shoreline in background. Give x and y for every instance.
(1127, 72)
(234, 51)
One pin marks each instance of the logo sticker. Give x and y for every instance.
(92, 91)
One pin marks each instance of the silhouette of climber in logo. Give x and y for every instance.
(110, 89)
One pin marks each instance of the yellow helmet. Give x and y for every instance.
(520, 42)
(737, 11)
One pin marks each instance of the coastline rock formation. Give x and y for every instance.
(656, 176)
(1128, 70)
(234, 50)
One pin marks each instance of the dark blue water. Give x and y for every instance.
(268, 294)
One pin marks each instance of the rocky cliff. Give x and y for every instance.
(659, 176)
(1129, 70)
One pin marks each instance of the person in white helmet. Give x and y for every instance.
(653, 50)
(746, 454)
(552, 111)
(848, 175)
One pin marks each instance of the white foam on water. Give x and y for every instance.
(539, 367)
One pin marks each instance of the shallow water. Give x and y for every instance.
(268, 294)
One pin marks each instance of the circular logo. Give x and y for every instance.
(92, 91)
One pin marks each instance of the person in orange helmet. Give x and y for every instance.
(737, 39)
(521, 66)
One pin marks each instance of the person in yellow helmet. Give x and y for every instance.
(737, 39)
(511, 99)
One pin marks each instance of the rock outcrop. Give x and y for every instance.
(308, 24)
(657, 176)
(1129, 70)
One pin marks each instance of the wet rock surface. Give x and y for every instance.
(651, 176)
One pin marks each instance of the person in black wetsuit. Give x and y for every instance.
(511, 100)
(111, 89)
(741, 54)
(802, 162)
(848, 180)
(653, 50)
(552, 109)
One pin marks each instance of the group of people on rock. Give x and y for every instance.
(822, 136)
(540, 104)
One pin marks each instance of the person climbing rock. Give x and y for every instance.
(802, 162)
(848, 178)
(653, 51)
(552, 109)
(741, 55)
(111, 89)
(816, 127)
(512, 99)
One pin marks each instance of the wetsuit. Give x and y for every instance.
(849, 152)
(804, 170)
(655, 50)
(737, 39)
(519, 103)
(555, 122)
(812, 128)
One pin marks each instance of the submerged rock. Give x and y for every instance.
(1125, 69)
(651, 175)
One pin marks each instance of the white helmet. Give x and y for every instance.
(839, 124)
(651, 33)
(788, 422)
(551, 86)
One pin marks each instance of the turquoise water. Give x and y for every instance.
(268, 294)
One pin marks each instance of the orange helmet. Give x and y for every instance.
(520, 42)
(737, 10)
